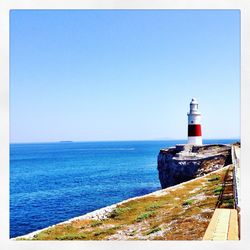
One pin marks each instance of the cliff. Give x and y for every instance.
(185, 162)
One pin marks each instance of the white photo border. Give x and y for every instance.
(7, 5)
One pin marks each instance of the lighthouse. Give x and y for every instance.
(194, 124)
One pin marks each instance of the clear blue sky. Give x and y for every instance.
(123, 74)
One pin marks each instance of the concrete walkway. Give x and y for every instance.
(223, 225)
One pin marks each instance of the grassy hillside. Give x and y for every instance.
(177, 213)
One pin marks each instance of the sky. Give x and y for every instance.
(97, 75)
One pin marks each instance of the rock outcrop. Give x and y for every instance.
(185, 162)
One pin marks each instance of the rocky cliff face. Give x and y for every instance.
(185, 162)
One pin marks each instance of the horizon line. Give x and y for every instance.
(119, 140)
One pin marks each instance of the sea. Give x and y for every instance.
(54, 182)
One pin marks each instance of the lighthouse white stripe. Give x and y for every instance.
(195, 140)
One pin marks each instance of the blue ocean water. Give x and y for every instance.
(53, 182)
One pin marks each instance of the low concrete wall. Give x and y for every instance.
(236, 174)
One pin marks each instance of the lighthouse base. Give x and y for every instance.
(195, 140)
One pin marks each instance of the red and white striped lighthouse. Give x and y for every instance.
(194, 124)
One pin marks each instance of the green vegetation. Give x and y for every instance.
(132, 233)
(141, 218)
(72, 237)
(95, 223)
(144, 216)
(100, 233)
(218, 190)
(153, 230)
(187, 202)
(118, 212)
(154, 206)
(228, 203)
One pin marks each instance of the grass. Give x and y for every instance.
(153, 230)
(140, 218)
(228, 203)
(154, 206)
(100, 233)
(117, 212)
(144, 216)
(95, 223)
(187, 202)
(72, 237)
(132, 233)
(218, 190)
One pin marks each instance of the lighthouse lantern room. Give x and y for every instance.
(194, 124)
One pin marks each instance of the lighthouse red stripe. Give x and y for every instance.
(194, 130)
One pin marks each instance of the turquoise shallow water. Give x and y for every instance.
(53, 182)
